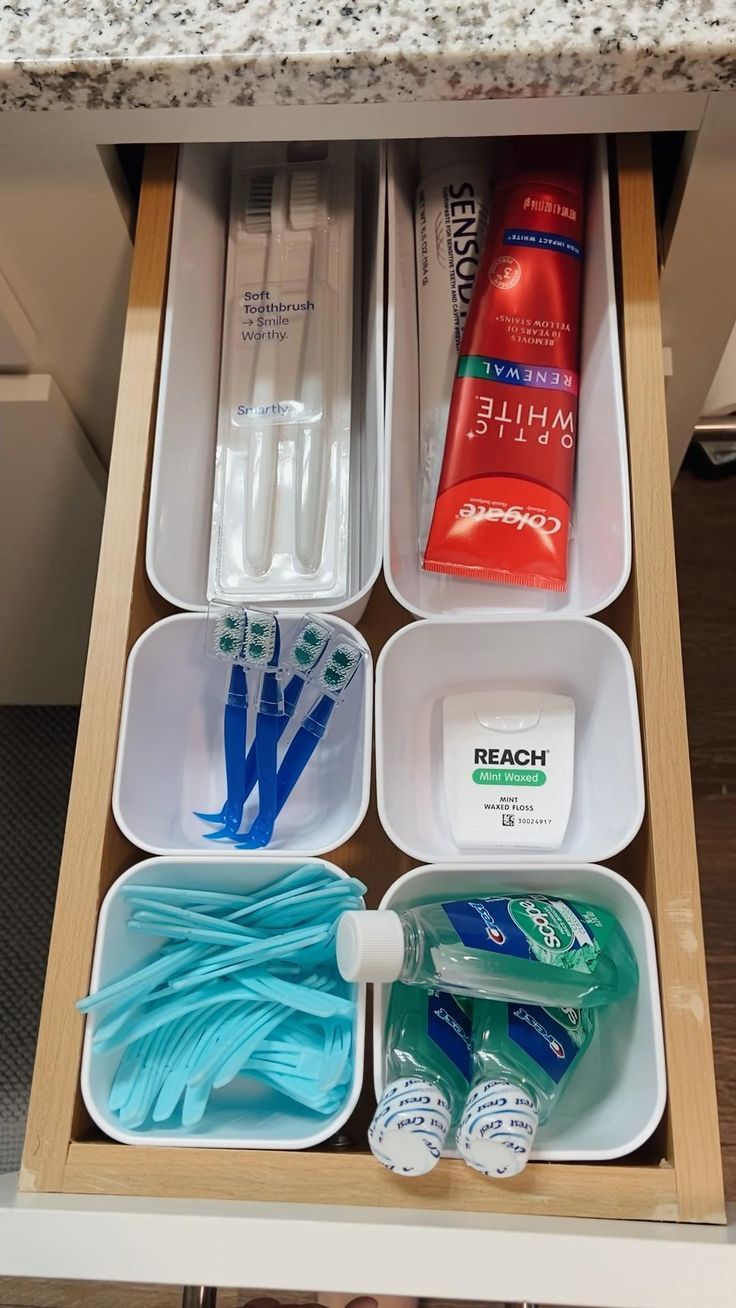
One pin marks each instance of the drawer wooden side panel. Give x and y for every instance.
(123, 607)
(61, 1153)
(666, 849)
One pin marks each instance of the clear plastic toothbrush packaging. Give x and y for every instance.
(281, 511)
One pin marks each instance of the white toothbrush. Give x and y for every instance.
(309, 472)
(265, 215)
(282, 205)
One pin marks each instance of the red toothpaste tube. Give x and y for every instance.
(502, 511)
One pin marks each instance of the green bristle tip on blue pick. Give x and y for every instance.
(261, 638)
(340, 667)
(309, 646)
(230, 633)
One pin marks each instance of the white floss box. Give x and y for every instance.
(508, 767)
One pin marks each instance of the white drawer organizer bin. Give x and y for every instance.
(244, 1114)
(171, 758)
(600, 553)
(579, 657)
(180, 509)
(618, 1098)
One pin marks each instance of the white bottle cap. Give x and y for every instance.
(370, 946)
(410, 1126)
(497, 1128)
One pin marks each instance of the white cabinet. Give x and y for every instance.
(52, 496)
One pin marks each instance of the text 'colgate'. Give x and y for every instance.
(503, 505)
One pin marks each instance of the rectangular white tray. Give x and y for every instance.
(180, 511)
(600, 553)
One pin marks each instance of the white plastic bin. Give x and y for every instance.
(617, 1097)
(571, 656)
(180, 509)
(244, 1114)
(171, 758)
(600, 553)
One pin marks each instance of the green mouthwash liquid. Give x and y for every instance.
(531, 947)
(427, 1076)
(524, 1057)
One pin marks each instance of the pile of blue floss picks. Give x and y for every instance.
(245, 986)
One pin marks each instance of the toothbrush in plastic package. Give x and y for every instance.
(285, 206)
(269, 719)
(281, 509)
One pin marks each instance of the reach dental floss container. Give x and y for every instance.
(508, 767)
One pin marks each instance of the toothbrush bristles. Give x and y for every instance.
(309, 646)
(230, 633)
(304, 199)
(261, 641)
(341, 665)
(259, 203)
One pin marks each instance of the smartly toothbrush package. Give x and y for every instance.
(281, 527)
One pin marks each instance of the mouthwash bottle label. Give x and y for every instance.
(551, 1037)
(450, 1028)
(533, 926)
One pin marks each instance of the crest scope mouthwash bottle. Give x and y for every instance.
(524, 1057)
(529, 947)
(428, 1068)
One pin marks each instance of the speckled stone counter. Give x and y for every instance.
(149, 54)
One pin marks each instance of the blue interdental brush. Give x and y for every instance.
(269, 719)
(228, 642)
(303, 655)
(333, 681)
(261, 645)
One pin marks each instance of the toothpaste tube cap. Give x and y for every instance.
(497, 1129)
(410, 1126)
(370, 946)
(452, 153)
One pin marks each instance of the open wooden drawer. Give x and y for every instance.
(677, 1175)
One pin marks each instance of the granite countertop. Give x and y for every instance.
(150, 54)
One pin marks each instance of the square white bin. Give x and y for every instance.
(180, 509)
(171, 758)
(570, 656)
(244, 1114)
(617, 1097)
(599, 559)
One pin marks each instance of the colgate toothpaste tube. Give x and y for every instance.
(502, 511)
